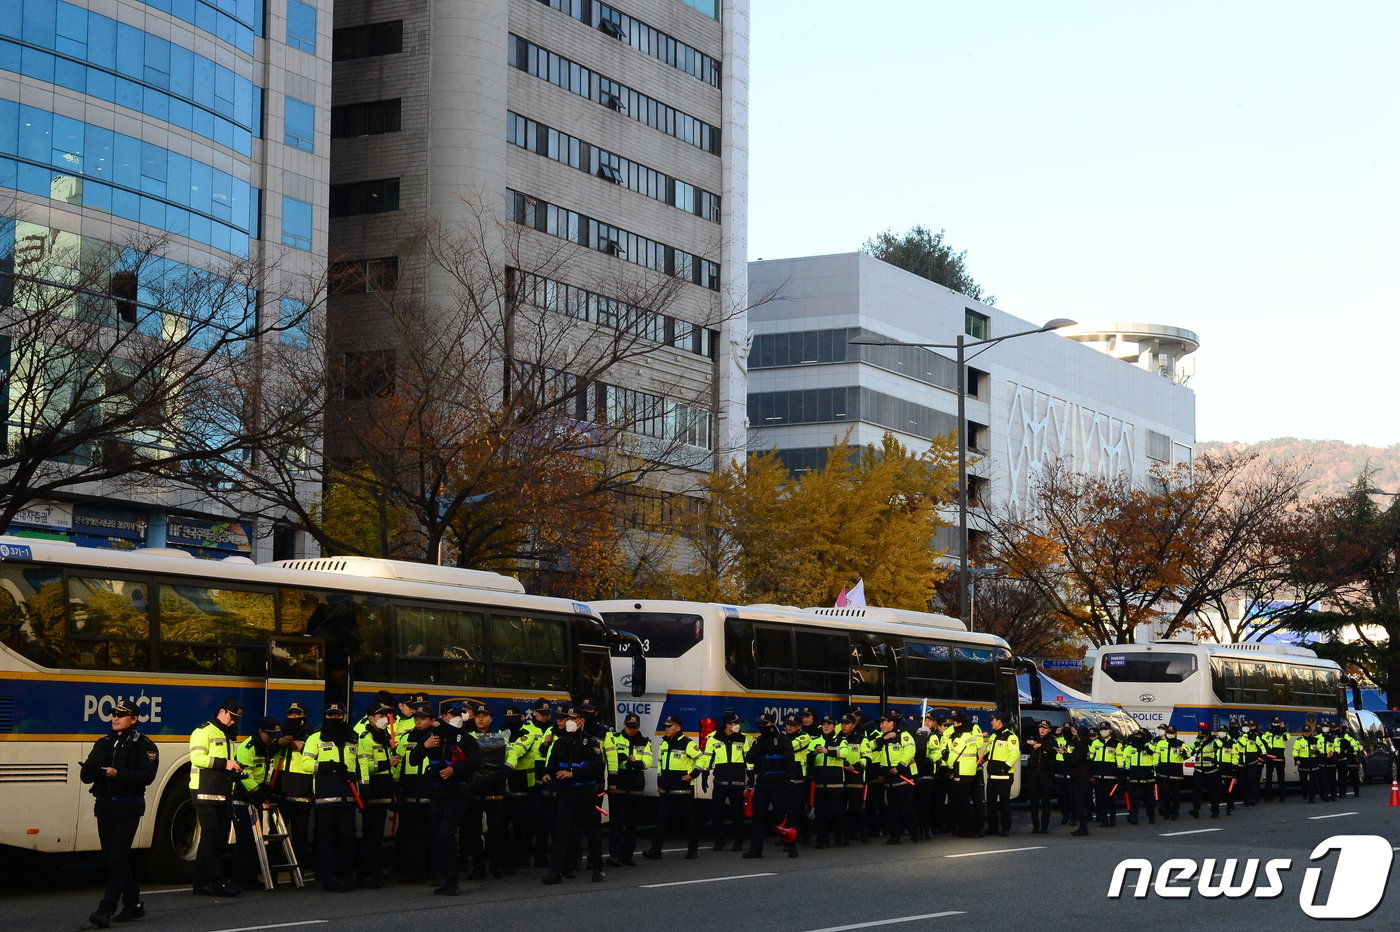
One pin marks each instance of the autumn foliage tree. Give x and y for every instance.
(764, 535)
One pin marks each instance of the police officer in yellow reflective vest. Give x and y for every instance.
(1251, 744)
(1274, 756)
(730, 774)
(1138, 760)
(414, 839)
(679, 761)
(1305, 754)
(1171, 754)
(251, 791)
(1329, 757)
(334, 750)
(378, 757)
(1103, 772)
(1003, 752)
(1206, 783)
(891, 759)
(291, 780)
(963, 757)
(628, 753)
(212, 772)
(827, 770)
(797, 777)
(1231, 767)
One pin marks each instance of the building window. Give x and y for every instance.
(363, 276)
(301, 26)
(1159, 446)
(364, 197)
(299, 129)
(367, 41)
(296, 223)
(292, 323)
(977, 326)
(370, 118)
(366, 374)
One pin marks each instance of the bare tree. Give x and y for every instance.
(122, 367)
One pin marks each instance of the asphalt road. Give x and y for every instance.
(1025, 881)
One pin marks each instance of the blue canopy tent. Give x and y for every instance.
(1050, 690)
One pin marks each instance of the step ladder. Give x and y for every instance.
(269, 827)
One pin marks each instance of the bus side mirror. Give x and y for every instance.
(639, 676)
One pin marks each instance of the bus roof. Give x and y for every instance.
(408, 571)
(894, 615)
(1245, 647)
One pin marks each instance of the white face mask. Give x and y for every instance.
(1326, 731)
(454, 720)
(1105, 732)
(571, 725)
(381, 721)
(731, 728)
(1221, 734)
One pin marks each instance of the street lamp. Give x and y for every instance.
(962, 346)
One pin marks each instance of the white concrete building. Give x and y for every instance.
(1031, 400)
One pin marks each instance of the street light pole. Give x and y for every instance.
(961, 346)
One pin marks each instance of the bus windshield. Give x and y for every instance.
(1156, 667)
(663, 634)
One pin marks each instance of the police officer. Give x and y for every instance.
(1003, 753)
(927, 772)
(827, 769)
(334, 751)
(1352, 761)
(414, 839)
(730, 772)
(1305, 754)
(1171, 753)
(629, 757)
(526, 755)
(252, 791)
(890, 756)
(378, 760)
(1206, 782)
(486, 798)
(1231, 765)
(575, 769)
(519, 825)
(1076, 754)
(797, 774)
(679, 761)
(964, 759)
(1138, 762)
(771, 759)
(850, 748)
(1274, 755)
(452, 757)
(1064, 735)
(118, 769)
(212, 772)
(1329, 756)
(1251, 745)
(291, 781)
(1103, 771)
(1039, 776)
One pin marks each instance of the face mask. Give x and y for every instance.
(512, 721)
(1220, 735)
(571, 725)
(1105, 732)
(1326, 731)
(381, 722)
(731, 728)
(454, 720)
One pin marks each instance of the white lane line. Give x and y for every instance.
(889, 922)
(1194, 831)
(159, 892)
(682, 883)
(973, 854)
(1335, 815)
(280, 925)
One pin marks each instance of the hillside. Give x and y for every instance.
(1332, 464)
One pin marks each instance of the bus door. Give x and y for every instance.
(595, 679)
(871, 661)
(296, 671)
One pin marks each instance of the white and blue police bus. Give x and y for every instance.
(1187, 683)
(704, 658)
(83, 628)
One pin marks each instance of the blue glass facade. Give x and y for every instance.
(65, 159)
(234, 21)
(94, 55)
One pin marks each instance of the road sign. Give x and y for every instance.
(1060, 664)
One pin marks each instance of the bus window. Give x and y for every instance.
(209, 630)
(31, 612)
(929, 670)
(821, 661)
(1254, 683)
(1156, 667)
(441, 646)
(111, 624)
(1225, 679)
(976, 672)
(773, 655)
(663, 634)
(1280, 685)
(738, 652)
(529, 652)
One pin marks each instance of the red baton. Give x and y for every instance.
(355, 792)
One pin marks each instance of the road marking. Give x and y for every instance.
(1335, 815)
(682, 883)
(1194, 831)
(280, 925)
(159, 892)
(973, 854)
(888, 922)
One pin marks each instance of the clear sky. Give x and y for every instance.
(1229, 167)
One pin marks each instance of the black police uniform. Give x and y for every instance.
(456, 749)
(626, 787)
(771, 759)
(119, 804)
(574, 769)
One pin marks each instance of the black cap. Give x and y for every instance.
(730, 718)
(378, 708)
(764, 718)
(1276, 721)
(571, 712)
(412, 699)
(1171, 729)
(1042, 724)
(542, 705)
(1000, 716)
(270, 725)
(563, 710)
(483, 709)
(335, 709)
(889, 716)
(894, 715)
(792, 720)
(588, 705)
(512, 710)
(296, 708)
(853, 709)
(958, 715)
(632, 721)
(232, 707)
(828, 720)
(848, 719)
(422, 710)
(673, 720)
(808, 710)
(124, 708)
(453, 706)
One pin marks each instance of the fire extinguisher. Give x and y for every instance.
(748, 804)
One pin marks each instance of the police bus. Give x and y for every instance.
(83, 628)
(1186, 683)
(704, 658)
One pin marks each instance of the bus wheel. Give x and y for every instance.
(176, 835)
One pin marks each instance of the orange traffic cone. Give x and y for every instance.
(1394, 793)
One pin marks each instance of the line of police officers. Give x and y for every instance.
(531, 792)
